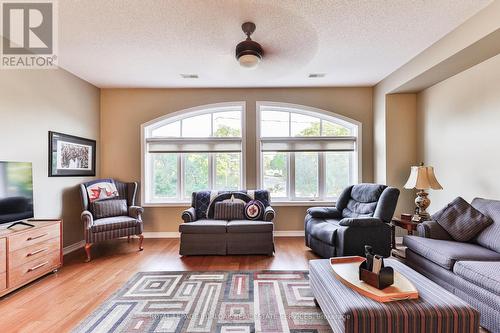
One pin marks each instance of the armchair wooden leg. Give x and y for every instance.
(141, 239)
(87, 251)
(128, 239)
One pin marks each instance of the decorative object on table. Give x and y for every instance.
(422, 178)
(373, 272)
(361, 216)
(214, 301)
(347, 270)
(113, 217)
(71, 156)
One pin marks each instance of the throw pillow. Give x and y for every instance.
(254, 210)
(462, 221)
(108, 208)
(102, 191)
(225, 210)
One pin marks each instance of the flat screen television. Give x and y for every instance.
(16, 191)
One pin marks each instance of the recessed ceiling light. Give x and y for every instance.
(189, 76)
(316, 75)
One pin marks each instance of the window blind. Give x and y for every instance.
(308, 144)
(193, 145)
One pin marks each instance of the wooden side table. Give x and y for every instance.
(409, 226)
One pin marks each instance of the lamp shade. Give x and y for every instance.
(422, 178)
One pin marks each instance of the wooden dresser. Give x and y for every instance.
(29, 253)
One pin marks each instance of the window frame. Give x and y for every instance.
(148, 127)
(317, 113)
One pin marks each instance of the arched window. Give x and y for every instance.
(306, 154)
(190, 150)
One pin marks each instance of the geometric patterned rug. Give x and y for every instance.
(225, 302)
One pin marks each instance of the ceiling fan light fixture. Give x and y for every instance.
(249, 53)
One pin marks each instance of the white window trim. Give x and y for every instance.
(178, 115)
(310, 111)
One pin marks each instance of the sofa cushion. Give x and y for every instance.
(204, 227)
(244, 226)
(462, 221)
(446, 253)
(325, 231)
(113, 223)
(227, 210)
(109, 208)
(359, 209)
(489, 237)
(483, 274)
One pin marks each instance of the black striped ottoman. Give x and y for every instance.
(436, 310)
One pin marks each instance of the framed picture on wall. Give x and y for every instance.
(71, 156)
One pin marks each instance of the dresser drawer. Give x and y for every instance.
(3, 256)
(31, 237)
(33, 269)
(33, 252)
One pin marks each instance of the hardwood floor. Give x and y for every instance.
(57, 302)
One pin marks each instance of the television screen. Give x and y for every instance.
(16, 191)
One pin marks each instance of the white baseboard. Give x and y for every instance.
(175, 234)
(73, 247)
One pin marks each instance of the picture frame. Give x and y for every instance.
(71, 156)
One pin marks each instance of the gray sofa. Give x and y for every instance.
(361, 217)
(469, 270)
(201, 234)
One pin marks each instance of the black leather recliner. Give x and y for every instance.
(361, 217)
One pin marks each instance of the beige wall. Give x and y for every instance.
(124, 110)
(33, 102)
(467, 45)
(459, 123)
(401, 118)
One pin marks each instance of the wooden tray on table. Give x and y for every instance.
(346, 269)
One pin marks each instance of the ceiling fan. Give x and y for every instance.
(249, 53)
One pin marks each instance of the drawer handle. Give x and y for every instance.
(35, 252)
(37, 266)
(35, 237)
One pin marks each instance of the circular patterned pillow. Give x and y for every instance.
(254, 210)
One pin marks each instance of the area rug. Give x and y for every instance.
(226, 302)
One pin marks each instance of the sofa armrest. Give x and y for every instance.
(189, 215)
(432, 229)
(325, 212)
(361, 222)
(269, 214)
(136, 212)
(87, 219)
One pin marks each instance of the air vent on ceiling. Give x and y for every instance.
(316, 75)
(189, 76)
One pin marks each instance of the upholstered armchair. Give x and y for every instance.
(361, 217)
(111, 218)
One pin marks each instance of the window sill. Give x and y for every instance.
(302, 203)
(187, 204)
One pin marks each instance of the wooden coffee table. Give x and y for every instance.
(436, 309)
(407, 225)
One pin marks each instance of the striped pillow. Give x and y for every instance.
(229, 210)
(108, 208)
(462, 221)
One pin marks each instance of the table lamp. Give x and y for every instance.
(422, 178)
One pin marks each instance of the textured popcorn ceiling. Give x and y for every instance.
(149, 43)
